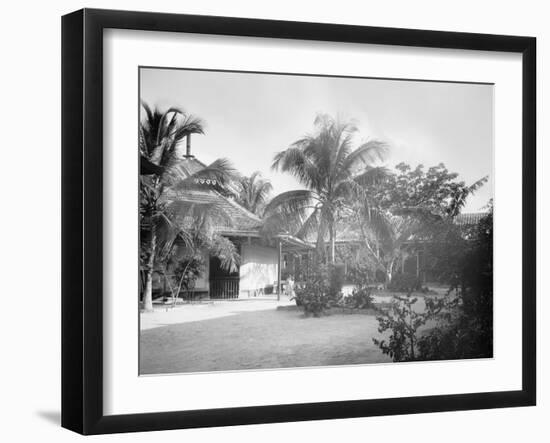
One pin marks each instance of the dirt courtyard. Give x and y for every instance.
(252, 335)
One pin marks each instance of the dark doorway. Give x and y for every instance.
(223, 284)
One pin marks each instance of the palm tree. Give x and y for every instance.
(253, 192)
(327, 166)
(166, 216)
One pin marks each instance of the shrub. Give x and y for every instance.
(336, 278)
(405, 282)
(361, 274)
(360, 298)
(322, 290)
(186, 273)
(404, 322)
(464, 326)
(470, 333)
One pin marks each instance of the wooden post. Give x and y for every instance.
(424, 264)
(417, 265)
(280, 257)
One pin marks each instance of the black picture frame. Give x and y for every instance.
(82, 219)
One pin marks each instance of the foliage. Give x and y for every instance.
(360, 298)
(397, 210)
(360, 274)
(405, 282)
(167, 218)
(325, 163)
(464, 318)
(187, 271)
(360, 267)
(470, 335)
(322, 290)
(185, 274)
(445, 254)
(435, 189)
(404, 323)
(253, 192)
(336, 275)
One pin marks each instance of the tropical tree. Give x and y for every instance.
(413, 205)
(253, 192)
(327, 165)
(167, 217)
(181, 253)
(462, 320)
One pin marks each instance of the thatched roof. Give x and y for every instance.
(238, 221)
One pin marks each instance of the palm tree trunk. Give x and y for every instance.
(389, 272)
(388, 277)
(332, 244)
(148, 292)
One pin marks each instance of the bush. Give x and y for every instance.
(470, 334)
(405, 282)
(404, 323)
(464, 327)
(336, 278)
(322, 290)
(185, 274)
(360, 298)
(361, 274)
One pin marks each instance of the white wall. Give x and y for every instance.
(30, 150)
(258, 267)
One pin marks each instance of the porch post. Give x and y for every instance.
(424, 264)
(279, 256)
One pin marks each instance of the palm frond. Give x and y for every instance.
(366, 154)
(287, 212)
(296, 162)
(461, 195)
(310, 225)
(254, 192)
(291, 202)
(226, 251)
(160, 133)
(190, 125)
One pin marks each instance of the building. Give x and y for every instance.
(415, 258)
(259, 271)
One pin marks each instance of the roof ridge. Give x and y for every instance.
(196, 159)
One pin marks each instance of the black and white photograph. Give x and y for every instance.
(295, 221)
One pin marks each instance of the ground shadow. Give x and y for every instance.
(53, 417)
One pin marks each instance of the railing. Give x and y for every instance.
(224, 288)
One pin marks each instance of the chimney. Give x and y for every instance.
(188, 150)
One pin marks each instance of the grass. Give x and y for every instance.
(259, 339)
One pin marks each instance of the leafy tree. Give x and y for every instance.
(166, 216)
(253, 192)
(470, 334)
(181, 259)
(326, 164)
(463, 318)
(398, 210)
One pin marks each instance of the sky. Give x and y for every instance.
(249, 117)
